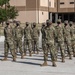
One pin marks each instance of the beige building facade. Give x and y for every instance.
(65, 10)
(40, 10)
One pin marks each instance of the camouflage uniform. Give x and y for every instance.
(72, 37)
(67, 38)
(9, 42)
(27, 39)
(35, 38)
(60, 39)
(44, 41)
(50, 34)
(18, 34)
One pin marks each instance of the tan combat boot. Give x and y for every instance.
(74, 54)
(44, 64)
(70, 57)
(30, 54)
(5, 59)
(63, 59)
(54, 64)
(14, 59)
(22, 56)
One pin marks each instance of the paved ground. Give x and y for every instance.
(31, 66)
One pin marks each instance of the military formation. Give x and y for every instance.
(59, 38)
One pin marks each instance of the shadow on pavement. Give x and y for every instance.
(3, 56)
(30, 63)
(36, 59)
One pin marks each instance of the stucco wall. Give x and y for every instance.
(66, 4)
(44, 3)
(18, 2)
(22, 16)
(43, 16)
(52, 3)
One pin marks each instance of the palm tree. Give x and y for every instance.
(3, 2)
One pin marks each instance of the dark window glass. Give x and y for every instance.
(62, 3)
(71, 2)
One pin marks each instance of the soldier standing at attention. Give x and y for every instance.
(43, 37)
(18, 34)
(27, 39)
(35, 38)
(9, 42)
(50, 35)
(60, 39)
(72, 37)
(67, 38)
(44, 44)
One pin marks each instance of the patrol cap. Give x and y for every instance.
(48, 21)
(66, 22)
(59, 20)
(7, 23)
(34, 23)
(71, 22)
(17, 22)
(43, 24)
(27, 23)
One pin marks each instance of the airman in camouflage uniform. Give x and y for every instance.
(43, 36)
(18, 34)
(60, 38)
(50, 35)
(67, 38)
(27, 39)
(35, 38)
(72, 36)
(9, 42)
(44, 42)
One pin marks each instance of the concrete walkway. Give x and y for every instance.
(31, 66)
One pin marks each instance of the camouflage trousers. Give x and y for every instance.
(73, 45)
(50, 48)
(43, 44)
(9, 45)
(69, 46)
(18, 44)
(27, 45)
(35, 45)
(60, 46)
(45, 51)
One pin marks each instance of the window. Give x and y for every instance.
(71, 2)
(54, 4)
(42, 13)
(49, 4)
(62, 3)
